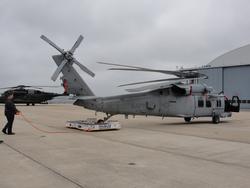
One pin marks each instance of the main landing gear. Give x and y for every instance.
(187, 119)
(27, 104)
(216, 119)
(105, 118)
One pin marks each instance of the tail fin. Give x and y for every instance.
(72, 81)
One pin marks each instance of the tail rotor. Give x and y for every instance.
(67, 57)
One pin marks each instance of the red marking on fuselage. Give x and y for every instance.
(65, 86)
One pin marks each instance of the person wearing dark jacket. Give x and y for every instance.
(10, 111)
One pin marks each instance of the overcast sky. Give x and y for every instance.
(151, 33)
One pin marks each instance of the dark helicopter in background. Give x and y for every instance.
(29, 94)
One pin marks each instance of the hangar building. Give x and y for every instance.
(230, 73)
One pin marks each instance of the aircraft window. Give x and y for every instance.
(31, 91)
(208, 104)
(218, 102)
(200, 103)
(167, 92)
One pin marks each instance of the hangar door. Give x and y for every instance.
(237, 82)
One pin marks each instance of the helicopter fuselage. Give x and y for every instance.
(162, 102)
(29, 96)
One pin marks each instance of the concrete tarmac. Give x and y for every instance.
(145, 153)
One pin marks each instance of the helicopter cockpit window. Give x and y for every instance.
(200, 103)
(31, 91)
(38, 92)
(208, 104)
(167, 92)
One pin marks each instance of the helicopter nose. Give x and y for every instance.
(84, 103)
(89, 103)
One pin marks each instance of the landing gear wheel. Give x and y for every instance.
(187, 119)
(28, 104)
(33, 104)
(216, 119)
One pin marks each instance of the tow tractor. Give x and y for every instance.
(92, 124)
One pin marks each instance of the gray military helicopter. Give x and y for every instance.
(171, 97)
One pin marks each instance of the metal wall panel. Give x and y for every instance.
(215, 76)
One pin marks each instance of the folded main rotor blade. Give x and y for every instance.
(180, 74)
(52, 44)
(151, 81)
(175, 73)
(202, 76)
(77, 43)
(119, 65)
(58, 70)
(161, 85)
(150, 87)
(135, 68)
(85, 69)
(156, 86)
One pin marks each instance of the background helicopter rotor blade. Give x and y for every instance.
(47, 86)
(34, 87)
(15, 87)
(52, 44)
(26, 86)
(77, 43)
(6, 88)
(58, 70)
